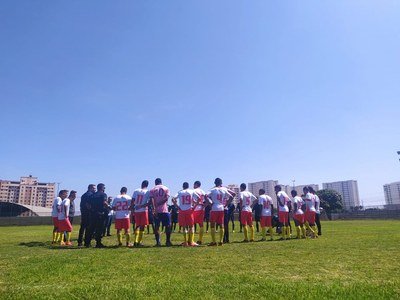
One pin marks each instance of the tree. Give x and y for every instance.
(331, 201)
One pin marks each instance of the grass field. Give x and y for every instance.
(352, 260)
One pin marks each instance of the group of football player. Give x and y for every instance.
(191, 204)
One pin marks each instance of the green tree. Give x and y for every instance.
(331, 201)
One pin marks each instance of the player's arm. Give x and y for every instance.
(175, 201)
(229, 201)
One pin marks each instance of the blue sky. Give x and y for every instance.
(118, 92)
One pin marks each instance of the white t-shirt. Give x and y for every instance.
(121, 204)
(317, 204)
(218, 196)
(284, 198)
(310, 202)
(186, 199)
(141, 197)
(56, 207)
(265, 201)
(247, 199)
(299, 203)
(200, 205)
(64, 209)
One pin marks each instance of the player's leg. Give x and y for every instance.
(225, 238)
(250, 224)
(167, 226)
(297, 225)
(243, 222)
(318, 222)
(269, 225)
(157, 222)
(213, 223)
(221, 223)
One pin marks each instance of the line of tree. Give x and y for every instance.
(331, 202)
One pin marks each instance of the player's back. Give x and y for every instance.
(186, 198)
(141, 197)
(265, 202)
(218, 197)
(284, 198)
(200, 193)
(64, 209)
(122, 204)
(299, 203)
(56, 207)
(247, 199)
(310, 202)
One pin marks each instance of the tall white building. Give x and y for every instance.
(349, 191)
(299, 188)
(392, 193)
(268, 186)
(27, 191)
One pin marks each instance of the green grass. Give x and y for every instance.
(352, 260)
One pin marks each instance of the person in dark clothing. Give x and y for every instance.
(228, 214)
(108, 218)
(207, 211)
(257, 215)
(151, 218)
(98, 209)
(85, 216)
(239, 209)
(231, 215)
(174, 216)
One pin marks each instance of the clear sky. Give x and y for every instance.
(122, 91)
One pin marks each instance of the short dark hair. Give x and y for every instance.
(261, 191)
(90, 186)
(294, 193)
(305, 190)
(185, 185)
(101, 186)
(72, 192)
(278, 188)
(62, 192)
(124, 190)
(310, 188)
(158, 181)
(243, 186)
(145, 183)
(218, 181)
(198, 183)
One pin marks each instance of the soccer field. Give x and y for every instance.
(352, 260)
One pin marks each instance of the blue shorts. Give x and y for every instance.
(162, 218)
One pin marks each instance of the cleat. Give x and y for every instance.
(262, 240)
(168, 244)
(184, 244)
(193, 244)
(199, 242)
(220, 244)
(119, 244)
(245, 241)
(100, 246)
(212, 244)
(252, 240)
(79, 244)
(68, 244)
(157, 245)
(62, 244)
(129, 245)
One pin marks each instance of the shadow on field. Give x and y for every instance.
(35, 244)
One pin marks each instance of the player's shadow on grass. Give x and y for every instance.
(47, 245)
(35, 244)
